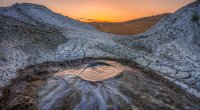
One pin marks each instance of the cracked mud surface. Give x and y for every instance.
(59, 85)
(171, 48)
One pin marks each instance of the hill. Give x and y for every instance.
(129, 27)
(175, 45)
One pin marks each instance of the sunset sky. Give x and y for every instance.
(107, 10)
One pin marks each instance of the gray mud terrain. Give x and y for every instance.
(160, 70)
(38, 87)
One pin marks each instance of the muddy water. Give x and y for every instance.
(96, 70)
(93, 84)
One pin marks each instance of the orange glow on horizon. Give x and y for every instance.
(107, 10)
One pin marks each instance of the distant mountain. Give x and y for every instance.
(129, 27)
(89, 20)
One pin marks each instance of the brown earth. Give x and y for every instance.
(129, 27)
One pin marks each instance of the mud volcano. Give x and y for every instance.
(94, 84)
(91, 86)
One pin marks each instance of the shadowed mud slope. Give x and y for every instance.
(73, 85)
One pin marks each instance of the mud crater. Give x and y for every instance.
(93, 84)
